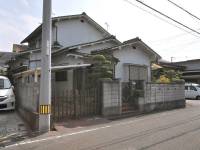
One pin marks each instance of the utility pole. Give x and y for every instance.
(45, 80)
(172, 59)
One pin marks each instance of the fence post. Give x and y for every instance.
(74, 99)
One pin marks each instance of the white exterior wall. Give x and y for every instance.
(64, 86)
(61, 86)
(131, 56)
(73, 32)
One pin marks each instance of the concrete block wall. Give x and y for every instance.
(27, 96)
(163, 96)
(111, 91)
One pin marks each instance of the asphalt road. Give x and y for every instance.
(12, 128)
(171, 130)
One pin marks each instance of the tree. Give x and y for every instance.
(102, 68)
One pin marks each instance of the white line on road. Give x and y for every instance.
(80, 132)
(56, 137)
(70, 134)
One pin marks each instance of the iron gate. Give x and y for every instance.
(131, 91)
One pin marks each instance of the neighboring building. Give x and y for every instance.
(169, 65)
(191, 72)
(19, 48)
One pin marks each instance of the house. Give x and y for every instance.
(67, 31)
(190, 69)
(191, 72)
(81, 34)
(75, 39)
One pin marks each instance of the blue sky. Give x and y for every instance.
(21, 17)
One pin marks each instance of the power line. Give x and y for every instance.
(184, 44)
(167, 17)
(160, 18)
(184, 9)
(169, 38)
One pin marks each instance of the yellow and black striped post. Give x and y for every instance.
(45, 109)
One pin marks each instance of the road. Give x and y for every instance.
(170, 130)
(12, 128)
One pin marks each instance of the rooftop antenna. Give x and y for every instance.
(107, 26)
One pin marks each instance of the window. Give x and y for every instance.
(193, 88)
(186, 87)
(138, 72)
(61, 76)
(5, 84)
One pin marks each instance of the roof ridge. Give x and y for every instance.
(98, 26)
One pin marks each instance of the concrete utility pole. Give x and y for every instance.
(172, 59)
(45, 80)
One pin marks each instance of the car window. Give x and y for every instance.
(4, 84)
(193, 88)
(186, 87)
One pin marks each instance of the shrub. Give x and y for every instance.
(163, 79)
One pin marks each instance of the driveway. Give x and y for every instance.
(12, 128)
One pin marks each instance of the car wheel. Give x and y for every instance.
(198, 98)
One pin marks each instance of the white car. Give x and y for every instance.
(7, 97)
(192, 91)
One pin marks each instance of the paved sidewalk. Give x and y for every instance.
(12, 128)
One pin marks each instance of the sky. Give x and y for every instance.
(20, 17)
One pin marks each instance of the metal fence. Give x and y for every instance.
(74, 104)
